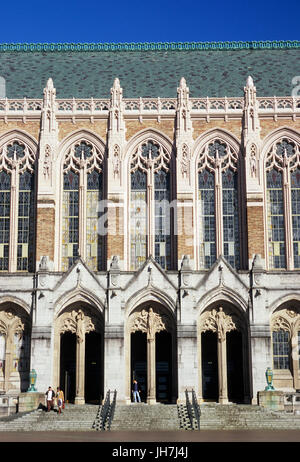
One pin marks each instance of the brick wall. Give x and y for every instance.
(185, 223)
(115, 232)
(45, 232)
(255, 218)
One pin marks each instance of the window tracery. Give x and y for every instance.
(150, 198)
(82, 192)
(283, 204)
(17, 168)
(285, 327)
(218, 216)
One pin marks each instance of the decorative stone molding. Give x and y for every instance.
(251, 138)
(48, 140)
(154, 161)
(184, 132)
(17, 155)
(116, 133)
(12, 324)
(287, 320)
(149, 322)
(77, 322)
(219, 322)
(83, 155)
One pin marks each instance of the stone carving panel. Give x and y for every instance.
(219, 322)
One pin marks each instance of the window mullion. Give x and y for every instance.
(150, 212)
(13, 235)
(82, 212)
(219, 214)
(288, 219)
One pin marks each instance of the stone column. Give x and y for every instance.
(221, 323)
(222, 370)
(150, 323)
(80, 359)
(151, 371)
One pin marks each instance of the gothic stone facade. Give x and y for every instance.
(208, 303)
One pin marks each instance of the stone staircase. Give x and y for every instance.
(142, 417)
(73, 418)
(159, 417)
(245, 417)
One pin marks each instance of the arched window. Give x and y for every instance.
(218, 208)
(283, 204)
(17, 210)
(150, 196)
(81, 208)
(285, 328)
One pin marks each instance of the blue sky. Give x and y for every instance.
(151, 21)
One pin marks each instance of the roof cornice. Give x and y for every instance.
(151, 46)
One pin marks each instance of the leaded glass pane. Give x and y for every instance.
(25, 242)
(94, 238)
(83, 150)
(162, 218)
(281, 350)
(217, 148)
(230, 218)
(275, 220)
(295, 199)
(138, 219)
(207, 224)
(150, 150)
(4, 219)
(15, 151)
(70, 224)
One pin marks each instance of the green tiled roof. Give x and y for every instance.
(149, 70)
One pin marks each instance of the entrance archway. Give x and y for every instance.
(15, 338)
(235, 375)
(152, 336)
(79, 341)
(223, 349)
(209, 366)
(138, 352)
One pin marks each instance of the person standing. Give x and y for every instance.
(136, 392)
(60, 399)
(49, 397)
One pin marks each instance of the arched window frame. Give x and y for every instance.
(217, 165)
(81, 166)
(287, 322)
(165, 162)
(284, 163)
(16, 162)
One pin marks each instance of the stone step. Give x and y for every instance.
(74, 417)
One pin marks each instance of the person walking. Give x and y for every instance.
(50, 397)
(136, 392)
(60, 399)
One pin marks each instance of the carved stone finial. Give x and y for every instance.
(50, 84)
(249, 82)
(116, 83)
(182, 83)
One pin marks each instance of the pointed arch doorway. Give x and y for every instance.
(151, 336)
(79, 342)
(223, 356)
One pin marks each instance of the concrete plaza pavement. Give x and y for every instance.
(209, 436)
